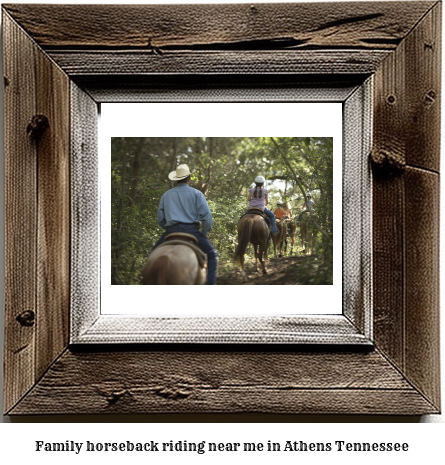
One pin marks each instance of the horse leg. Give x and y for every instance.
(243, 273)
(255, 247)
(263, 250)
(303, 239)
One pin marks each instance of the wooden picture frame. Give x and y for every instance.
(76, 56)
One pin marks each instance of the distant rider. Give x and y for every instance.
(306, 208)
(279, 212)
(258, 198)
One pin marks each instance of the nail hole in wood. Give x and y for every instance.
(430, 97)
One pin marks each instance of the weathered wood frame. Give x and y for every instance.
(89, 321)
(97, 50)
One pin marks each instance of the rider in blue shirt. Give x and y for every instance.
(181, 209)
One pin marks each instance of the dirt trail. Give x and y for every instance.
(286, 270)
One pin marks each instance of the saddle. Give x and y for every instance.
(258, 211)
(190, 241)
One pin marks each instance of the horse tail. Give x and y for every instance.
(243, 239)
(159, 272)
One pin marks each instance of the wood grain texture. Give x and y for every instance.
(37, 217)
(218, 87)
(347, 25)
(407, 113)
(423, 92)
(100, 63)
(406, 205)
(388, 268)
(227, 39)
(20, 213)
(422, 364)
(53, 225)
(222, 382)
(85, 212)
(398, 42)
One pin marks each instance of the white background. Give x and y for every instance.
(219, 120)
(17, 441)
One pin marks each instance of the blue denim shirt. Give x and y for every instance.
(183, 204)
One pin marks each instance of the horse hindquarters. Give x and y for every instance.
(157, 271)
(173, 264)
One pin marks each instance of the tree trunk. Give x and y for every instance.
(135, 172)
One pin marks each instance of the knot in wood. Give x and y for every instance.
(173, 393)
(26, 318)
(387, 162)
(114, 397)
(37, 126)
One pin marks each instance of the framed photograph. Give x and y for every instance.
(80, 341)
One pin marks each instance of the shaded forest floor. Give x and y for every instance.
(287, 270)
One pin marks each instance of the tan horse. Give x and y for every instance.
(292, 229)
(280, 238)
(252, 229)
(174, 262)
(308, 232)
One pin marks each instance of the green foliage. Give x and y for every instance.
(226, 213)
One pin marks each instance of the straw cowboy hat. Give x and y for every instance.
(182, 171)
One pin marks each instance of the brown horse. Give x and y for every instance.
(308, 233)
(175, 262)
(292, 229)
(280, 238)
(252, 229)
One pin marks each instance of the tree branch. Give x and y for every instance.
(301, 186)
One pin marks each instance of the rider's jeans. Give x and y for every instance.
(203, 243)
(271, 216)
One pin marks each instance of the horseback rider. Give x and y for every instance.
(258, 198)
(279, 212)
(181, 209)
(306, 208)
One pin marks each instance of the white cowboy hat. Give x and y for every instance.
(182, 171)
